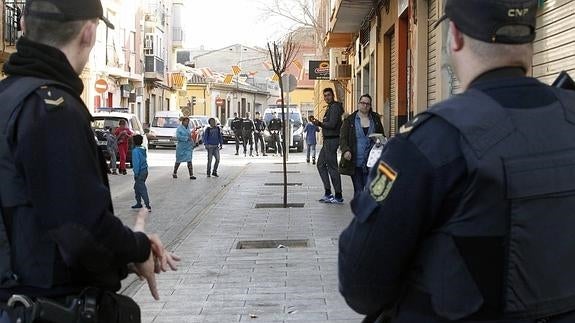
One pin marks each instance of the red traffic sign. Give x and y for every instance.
(220, 101)
(101, 86)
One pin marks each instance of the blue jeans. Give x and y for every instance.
(140, 189)
(310, 149)
(359, 180)
(213, 152)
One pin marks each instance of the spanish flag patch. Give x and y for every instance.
(381, 185)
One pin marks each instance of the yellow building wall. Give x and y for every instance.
(203, 100)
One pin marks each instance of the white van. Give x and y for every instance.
(163, 129)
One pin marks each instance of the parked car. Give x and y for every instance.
(296, 125)
(227, 132)
(163, 129)
(103, 120)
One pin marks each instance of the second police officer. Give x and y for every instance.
(260, 127)
(236, 127)
(248, 128)
(468, 217)
(275, 128)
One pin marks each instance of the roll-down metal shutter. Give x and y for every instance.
(554, 45)
(393, 84)
(433, 50)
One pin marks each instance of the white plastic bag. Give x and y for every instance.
(376, 150)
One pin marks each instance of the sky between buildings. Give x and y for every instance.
(215, 24)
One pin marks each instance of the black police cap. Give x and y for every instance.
(494, 21)
(70, 10)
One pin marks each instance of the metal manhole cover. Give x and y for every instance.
(281, 172)
(272, 244)
(281, 184)
(278, 205)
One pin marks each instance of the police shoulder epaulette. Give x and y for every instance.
(412, 124)
(53, 97)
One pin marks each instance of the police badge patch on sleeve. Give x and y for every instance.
(381, 185)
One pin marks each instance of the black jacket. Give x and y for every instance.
(331, 122)
(68, 238)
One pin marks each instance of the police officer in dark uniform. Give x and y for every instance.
(248, 128)
(275, 128)
(63, 253)
(260, 127)
(468, 217)
(237, 129)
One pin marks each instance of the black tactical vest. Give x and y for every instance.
(13, 191)
(521, 187)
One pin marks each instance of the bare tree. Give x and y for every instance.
(282, 55)
(302, 13)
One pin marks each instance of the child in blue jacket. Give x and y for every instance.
(140, 168)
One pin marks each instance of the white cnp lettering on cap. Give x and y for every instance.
(519, 12)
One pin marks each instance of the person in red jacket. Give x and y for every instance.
(123, 133)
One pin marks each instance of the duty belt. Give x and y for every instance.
(80, 309)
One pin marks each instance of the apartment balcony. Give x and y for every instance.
(154, 68)
(346, 21)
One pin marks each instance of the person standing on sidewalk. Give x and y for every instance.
(275, 128)
(248, 128)
(184, 148)
(260, 127)
(213, 141)
(236, 127)
(140, 168)
(468, 215)
(310, 131)
(112, 148)
(61, 242)
(123, 133)
(355, 142)
(327, 160)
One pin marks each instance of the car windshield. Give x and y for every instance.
(102, 123)
(166, 122)
(295, 118)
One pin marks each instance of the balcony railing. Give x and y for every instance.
(12, 12)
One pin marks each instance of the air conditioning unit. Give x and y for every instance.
(342, 72)
(339, 67)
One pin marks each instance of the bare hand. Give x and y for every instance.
(347, 155)
(164, 260)
(145, 270)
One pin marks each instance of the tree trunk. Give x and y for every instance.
(284, 141)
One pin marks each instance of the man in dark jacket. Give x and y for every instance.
(275, 128)
(248, 128)
(236, 127)
(58, 230)
(327, 159)
(260, 127)
(468, 214)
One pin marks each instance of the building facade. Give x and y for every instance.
(391, 50)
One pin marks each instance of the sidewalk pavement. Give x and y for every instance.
(216, 282)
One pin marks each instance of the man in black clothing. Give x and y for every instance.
(58, 230)
(468, 214)
(248, 128)
(275, 128)
(237, 129)
(327, 159)
(260, 127)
